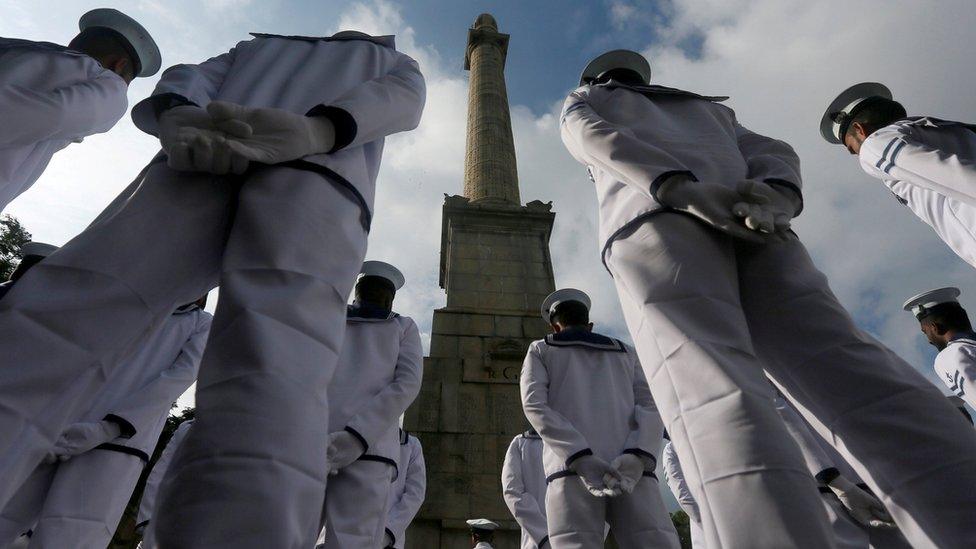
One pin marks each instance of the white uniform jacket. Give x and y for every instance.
(147, 506)
(524, 488)
(930, 166)
(632, 138)
(142, 390)
(409, 489)
(679, 486)
(366, 87)
(585, 394)
(50, 96)
(956, 367)
(378, 376)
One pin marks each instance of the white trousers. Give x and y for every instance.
(707, 314)
(697, 535)
(356, 504)
(75, 504)
(285, 245)
(251, 473)
(578, 519)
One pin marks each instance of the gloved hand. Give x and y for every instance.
(592, 473)
(279, 135)
(629, 470)
(82, 437)
(864, 507)
(709, 202)
(344, 448)
(187, 134)
(765, 208)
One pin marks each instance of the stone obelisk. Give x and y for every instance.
(496, 270)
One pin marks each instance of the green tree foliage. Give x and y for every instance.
(683, 525)
(125, 535)
(13, 235)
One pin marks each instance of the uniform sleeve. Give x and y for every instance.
(528, 512)
(405, 508)
(645, 439)
(817, 461)
(679, 486)
(70, 112)
(377, 108)
(940, 159)
(183, 85)
(141, 407)
(376, 417)
(147, 506)
(614, 149)
(957, 366)
(554, 428)
(771, 161)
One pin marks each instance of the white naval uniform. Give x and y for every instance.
(524, 488)
(82, 499)
(409, 489)
(50, 97)
(285, 243)
(956, 367)
(586, 394)
(686, 500)
(147, 506)
(930, 166)
(378, 376)
(711, 312)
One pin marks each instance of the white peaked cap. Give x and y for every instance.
(38, 248)
(482, 524)
(926, 300)
(142, 43)
(562, 296)
(844, 104)
(617, 59)
(383, 270)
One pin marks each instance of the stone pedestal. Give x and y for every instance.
(496, 268)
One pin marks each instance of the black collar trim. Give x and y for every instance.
(368, 314)
(584, 338)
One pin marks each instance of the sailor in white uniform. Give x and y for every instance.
(524, 488)
(52, 96)
(78, 497)
(147, 506)
(947, 327)
(378, 376)
(31, 253)
(929, 164)
(586, 396)
(408, 492)
(285, 241)
(686, 500)
(482, 533)
(723, 300)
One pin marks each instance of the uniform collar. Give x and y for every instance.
(183, 309)
(404, 437)
(967, 337)
(387, 40)
(530, 434)
(579, 337)
(654, 89)
(358, 312)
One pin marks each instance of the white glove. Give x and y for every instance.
(629, 470)
(764, 208)
(82, 437)
(189, 137)
(709, 202)
(344, 448)
(279, 135)
(592, 473)
(864, 507)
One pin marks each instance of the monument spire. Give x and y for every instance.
(490, 173)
